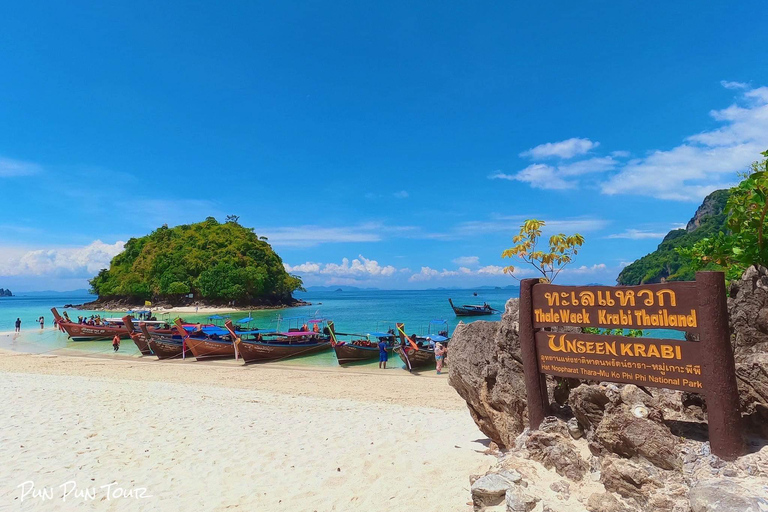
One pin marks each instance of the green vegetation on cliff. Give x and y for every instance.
(666, 262)
(213, 261)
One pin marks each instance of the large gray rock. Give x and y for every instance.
(725, 495)
(556, 451)
(623, 433)
(630, 479)
(605, 502)
(486, 370)
(518, 501)
(491, 489)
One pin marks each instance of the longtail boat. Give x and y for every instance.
(139, 338)
(472, 310)
(418, 351)
(274, 346)
(360, 347)
(212, 346)
(165, 346)
(85, 332)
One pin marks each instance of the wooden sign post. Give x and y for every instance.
(705, 366)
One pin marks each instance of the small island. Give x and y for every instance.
(207, 264)
(5, 293)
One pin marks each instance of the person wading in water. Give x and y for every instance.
(116, 342)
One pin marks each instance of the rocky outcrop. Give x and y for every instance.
(724, 495)
(713, 205)
(486, 370)
(748, 312)
(617, 447)
(5, 293)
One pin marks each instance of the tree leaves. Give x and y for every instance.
(548, 262)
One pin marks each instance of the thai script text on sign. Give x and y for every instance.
(660, 306)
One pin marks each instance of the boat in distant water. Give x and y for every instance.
(472, 310)
(257, 346)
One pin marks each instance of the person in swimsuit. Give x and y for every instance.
(439, 356)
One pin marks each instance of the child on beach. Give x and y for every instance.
(18, 324)
(116, 342)
(439, 356)
(383, 357)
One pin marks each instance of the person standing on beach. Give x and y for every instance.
(42, 322)
(383, 357)
(439, 356)
(116, 342)
(18, 324)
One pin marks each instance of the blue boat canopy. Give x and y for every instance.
(437, 338)
(217, 317)
(245, 320)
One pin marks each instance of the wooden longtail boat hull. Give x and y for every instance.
(347, 353)
(259, 352)
(142, 343)
(460, 311)
(168, 349)
(204, 349)
(414, 359)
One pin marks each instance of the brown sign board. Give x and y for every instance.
(674, 364)
(654, 306)
(706, 366)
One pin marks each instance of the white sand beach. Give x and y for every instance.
(223, 437)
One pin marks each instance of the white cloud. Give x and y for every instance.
(493, 270)
(61, 262)
(550, 177)
(510, 224)
(360, 267)
(539, 176)
(637, 234)
(597, 268)
(733, 85)
(620, 154)
(467, 260)
(563, 149)
(703, 162)
(428, 273)
(310, 235)
(9, 168)
(401, 194)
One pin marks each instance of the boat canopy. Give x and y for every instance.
(436, 338)
(297, 333)
(217, 317)
(245, 320)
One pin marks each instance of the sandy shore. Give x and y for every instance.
(215, 437)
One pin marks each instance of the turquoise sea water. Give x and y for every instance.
(352, 312)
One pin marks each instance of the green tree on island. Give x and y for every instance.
(218, 262)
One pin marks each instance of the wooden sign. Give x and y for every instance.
(706, 366)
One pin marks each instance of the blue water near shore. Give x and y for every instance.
(352, 311)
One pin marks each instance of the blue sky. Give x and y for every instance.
(408, 141)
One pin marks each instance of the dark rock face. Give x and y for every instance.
(713, 205)
(748, 311)
(486, 371)
(622, 433)
(555, 450)
(588, 405)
